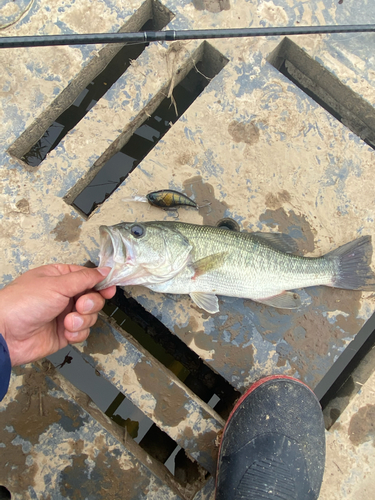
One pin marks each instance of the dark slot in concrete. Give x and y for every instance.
(84, 102)
(344, 378)
(326, 89)
(351, 369)
(131, 148)
(172, 352)
(74, 102)
(122, 411)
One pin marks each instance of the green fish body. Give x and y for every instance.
(206, 261)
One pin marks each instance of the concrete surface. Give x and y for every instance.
(55, 443)
(350, 458)
(253, 144)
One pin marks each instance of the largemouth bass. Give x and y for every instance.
(206, 261)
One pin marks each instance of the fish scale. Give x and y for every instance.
(205, 261)
(251, 267)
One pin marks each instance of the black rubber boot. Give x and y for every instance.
(273, 444)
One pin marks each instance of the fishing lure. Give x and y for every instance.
(168, 198)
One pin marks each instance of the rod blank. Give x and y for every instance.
(171, 35)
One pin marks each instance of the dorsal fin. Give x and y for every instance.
(279, 241)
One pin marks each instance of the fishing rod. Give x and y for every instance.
(172, 35)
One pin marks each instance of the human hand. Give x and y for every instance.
(45, 309)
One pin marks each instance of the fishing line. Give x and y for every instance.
(172, 35)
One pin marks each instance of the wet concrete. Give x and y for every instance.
(38, 415)
(68, 229)
(252, 144)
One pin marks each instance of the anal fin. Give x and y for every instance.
(284, 300)
(206, 301)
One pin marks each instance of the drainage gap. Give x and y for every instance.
(137, 426)
(347, 375)
(326, 89)
(76, 100)
(84, 102)
(174, 354)
(132, 146)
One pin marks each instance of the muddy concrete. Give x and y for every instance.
(204, 194)
(47, 433)
(258, 148)
(313, 334)
(351, 446)
(170, 407)
(68, 229)
(288, 222)
(33, 410)
(212, 5)
(27, 417)
(362, 425)
(23, 206)
(95, 343)
(106, 480)
(244, 132)
(276, 200)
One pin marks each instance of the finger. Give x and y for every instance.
(90, 303)
(67, 268)
(77, 337)
(76, 282)
(108, 293)
(75, 322)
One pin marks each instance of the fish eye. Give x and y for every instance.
(137, 231)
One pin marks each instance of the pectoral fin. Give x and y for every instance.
(285, 300)
(206, 301)
(202, 266)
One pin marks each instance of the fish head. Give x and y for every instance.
(142, 253)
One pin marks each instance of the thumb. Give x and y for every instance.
(76, 282)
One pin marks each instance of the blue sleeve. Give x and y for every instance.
(5, 367)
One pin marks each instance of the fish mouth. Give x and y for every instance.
(107, 247)
(115, 252)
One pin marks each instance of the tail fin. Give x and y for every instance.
(354, 260)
